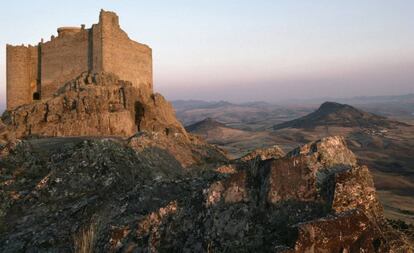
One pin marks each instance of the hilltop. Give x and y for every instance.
(218, 133)
(246, 116)
(342, 115)
(202, 127)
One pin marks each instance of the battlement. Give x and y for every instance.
(37, 72)
(68, 30)
(108, 17)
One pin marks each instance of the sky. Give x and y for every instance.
(240, 50)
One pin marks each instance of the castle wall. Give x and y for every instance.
(22, 74)
(128, 59)
(95, 48)
(63, 59)
(103, 47)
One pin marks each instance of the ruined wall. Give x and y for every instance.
(63, 59)
(22, 74)
(128, 59)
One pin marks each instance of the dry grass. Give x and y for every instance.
(84, 240)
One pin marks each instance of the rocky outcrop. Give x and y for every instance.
(347, 232)
(232, 190)
(187, 149)
(327, 152)
(94, 104)
(101, 105)
(302, 175)
(314, 199)
(264, 154)
(354, 189)
(329, 200)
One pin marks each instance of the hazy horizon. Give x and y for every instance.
(243, 51)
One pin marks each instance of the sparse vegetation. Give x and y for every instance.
(84, 240)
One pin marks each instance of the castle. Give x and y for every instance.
(36, 72)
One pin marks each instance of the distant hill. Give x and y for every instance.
(259, 115)
(204, 126)
(336, 114)
(197, 104)
(247, 116)
(192, 104)
(400, 107)
(219, 133)
(358, 100)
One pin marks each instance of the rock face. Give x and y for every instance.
(308, 166)
(3, 133)
(346, 232)
(105, 196)
(187, 149)
(264, 154)
(98, 104)
(342, 115)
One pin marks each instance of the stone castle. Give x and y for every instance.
(37, 72)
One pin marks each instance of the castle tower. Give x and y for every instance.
(22, 74)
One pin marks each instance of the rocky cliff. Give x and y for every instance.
(103, 196)
(94, 104)
(97, 105)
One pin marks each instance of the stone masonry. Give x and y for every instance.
(37, 72)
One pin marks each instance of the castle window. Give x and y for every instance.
(36, 96)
